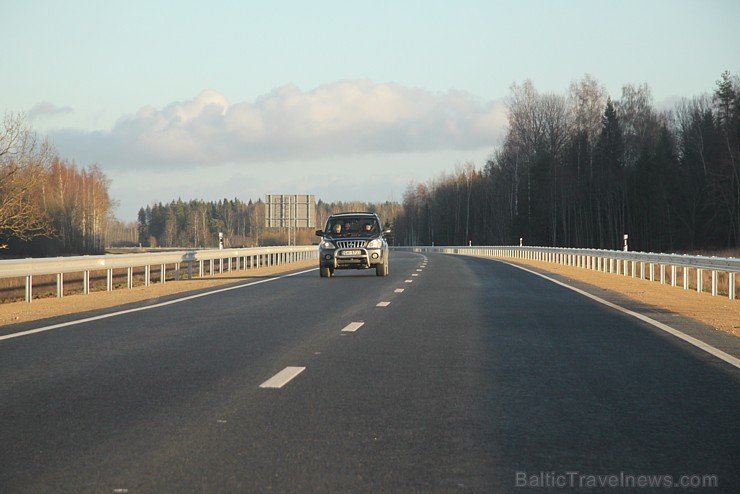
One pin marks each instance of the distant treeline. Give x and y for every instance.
(582, 170)
(197, 223)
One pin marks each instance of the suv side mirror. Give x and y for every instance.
(319, 233)
(387, 231)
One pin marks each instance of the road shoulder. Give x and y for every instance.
(713, 320)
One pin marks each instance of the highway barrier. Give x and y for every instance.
(698, 273)
(198, 263)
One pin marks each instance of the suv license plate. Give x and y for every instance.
(351, 253)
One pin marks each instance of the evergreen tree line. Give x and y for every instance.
(582, 170)
(48, 205)
(197, 223)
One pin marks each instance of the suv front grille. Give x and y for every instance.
(351, 244)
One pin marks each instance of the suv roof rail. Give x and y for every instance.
(352, 212)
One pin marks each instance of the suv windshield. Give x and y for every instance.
(351, 227)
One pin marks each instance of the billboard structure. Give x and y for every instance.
(290, 212)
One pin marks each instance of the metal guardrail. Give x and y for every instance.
(632, 264)
(204, 261)
(208, 262)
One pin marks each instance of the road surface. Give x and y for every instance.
(453, 374)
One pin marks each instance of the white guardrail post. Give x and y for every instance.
(632, 264)
(236, 259)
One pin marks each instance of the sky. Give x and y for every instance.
(344, 100)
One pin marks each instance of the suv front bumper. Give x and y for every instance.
(355, 258)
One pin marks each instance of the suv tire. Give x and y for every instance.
(382, 269)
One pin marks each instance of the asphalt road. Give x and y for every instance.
(477, 377)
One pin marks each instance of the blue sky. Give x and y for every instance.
(344, 100)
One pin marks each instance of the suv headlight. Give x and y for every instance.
(375, 244)
(326, 245)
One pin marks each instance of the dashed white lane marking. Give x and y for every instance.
(147, 307)
(419, 270)
(689, 339)
(353, 326)
(415, 274)
(383, 304)
(398, 290)
(409, 281)
(282, 378)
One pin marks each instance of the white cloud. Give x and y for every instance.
(355, 117)
(46, 109)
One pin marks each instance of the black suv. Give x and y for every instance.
(353, 241)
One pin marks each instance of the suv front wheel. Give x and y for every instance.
(382, 268)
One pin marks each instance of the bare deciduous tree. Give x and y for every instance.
(23, 163)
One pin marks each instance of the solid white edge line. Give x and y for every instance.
(678, 334)
(353, 326)
(147, 307)
(282, 378)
